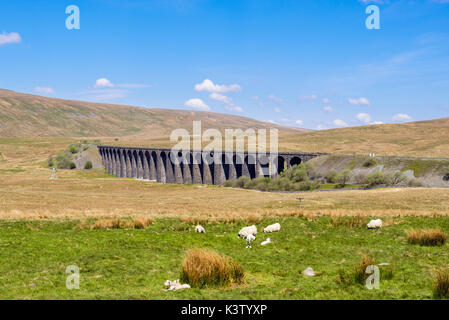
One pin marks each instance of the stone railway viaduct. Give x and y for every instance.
(198, 167)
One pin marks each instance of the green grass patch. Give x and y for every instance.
(134, 263)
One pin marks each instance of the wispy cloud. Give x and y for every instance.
(364, 117)
(401, 117)
(230, 106)
(272, 97)
(13, 37)
(44, 90)
(328, 109)
(359, 101)
(340, 123)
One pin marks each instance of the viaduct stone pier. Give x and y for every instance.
(198, 167)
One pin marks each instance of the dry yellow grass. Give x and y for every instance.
(27, 192)
(202, 268)
(427, 237)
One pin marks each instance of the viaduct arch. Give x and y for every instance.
(197, 167)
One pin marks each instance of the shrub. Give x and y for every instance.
(207, 268)
(359, 178)
(88, 165)
(50, 162)
(296, 173)
(240, 182)
(331, 176)
(441, 283)
(427, 237)
(371, 162)
(376, 178)
(114, 223)
(63, 160)
(74, 149)
(342, 178)
(72, 165)
(397, 178)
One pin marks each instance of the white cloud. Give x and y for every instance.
(234, 108)
(377, 122)
(326, 100)
(197, 104)
(46, 90)
(340, 123)
(209, 86)
(328, 109)
(255, 97)
(272, 97)
(6, 38)
(401, 117)
(321, 127)
(277, 110)
(220, 97)
(107, 94)
(299, 122)
(360, 101)
(364, 117)
(103, 83)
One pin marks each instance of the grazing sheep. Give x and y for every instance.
(249, 239)
(266, 242)
(246, 231)
(175, 285)
(199, 229)
(273, 228)
(374, 224)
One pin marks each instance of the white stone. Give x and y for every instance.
(309, 272)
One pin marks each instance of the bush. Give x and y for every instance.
(397, 178)
(371, 162)
(50, 162)
(359, 178)
(441, 283)
(206, 268)
(376, 178)
(296, 173)
(342, 178)
(88, 165)
(74, 149)
(72, 166)
(240, 182)
(360, 274)
(331, 176)
(63, 160)
(427, 237)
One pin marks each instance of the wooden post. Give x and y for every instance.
(300, 203)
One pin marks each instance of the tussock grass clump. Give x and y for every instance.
(107, 224)
(142, 222)
(348, 222)
(360, 274)
(207, 268)
(427, 237)
(441, 283)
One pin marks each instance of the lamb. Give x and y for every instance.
(374, 224)
(273, 228)
(199, 229)
(266, 242)
(175, 285)
(249, 239)
(246, 231)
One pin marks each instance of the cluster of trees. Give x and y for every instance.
(303, 177)
(65, 159)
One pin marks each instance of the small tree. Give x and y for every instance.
(343, 177)
(397, 178)
(72, 165)
(88, 165)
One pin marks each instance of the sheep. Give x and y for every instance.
(249, 239)
(273, 228)
(175, 285)
(199, 229)
(374, 224)
(246, 231)
(266, 242)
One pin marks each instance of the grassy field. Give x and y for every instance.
(43, 230)
(134, 264)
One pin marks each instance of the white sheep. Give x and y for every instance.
(199, 229)
(374, 224)
(266, 242)
(249, 239)
(175, 285)
(272, 228)
(246, 231)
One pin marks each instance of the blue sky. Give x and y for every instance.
(312, 64)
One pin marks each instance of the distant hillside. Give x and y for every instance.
(417, 139)
(25, 115)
